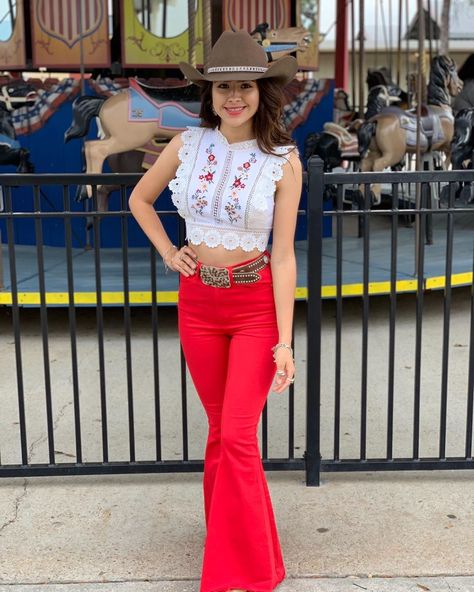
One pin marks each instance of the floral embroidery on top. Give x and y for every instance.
(233, 205)
(207, 178)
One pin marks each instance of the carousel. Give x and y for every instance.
(100, 120)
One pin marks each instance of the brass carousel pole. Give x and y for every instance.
(361, 58)
(192, 32)
(207, 30)
(353, 65)
(419, 100)
(430, 31)
(399, 44)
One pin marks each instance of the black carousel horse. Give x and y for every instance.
(11, 153)
(13, 95)
(382, 76)
(17, 93)
(462, 148)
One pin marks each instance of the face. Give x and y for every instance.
(235, 102)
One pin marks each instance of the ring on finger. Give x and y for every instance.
(292, 380)
(281, 373)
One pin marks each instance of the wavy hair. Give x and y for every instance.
(269, 129)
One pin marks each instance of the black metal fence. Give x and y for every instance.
(329, 402)
(25, 423)
(327, 394)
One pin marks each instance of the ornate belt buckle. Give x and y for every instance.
(218, 277)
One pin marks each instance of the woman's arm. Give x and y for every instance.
(283, 262)
(141, 203)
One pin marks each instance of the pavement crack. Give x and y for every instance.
(18, 501)
(447, 583)
(44, 437)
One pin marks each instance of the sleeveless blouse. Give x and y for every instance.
(225, 192)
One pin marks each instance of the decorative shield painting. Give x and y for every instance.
(12, 48)
(247, 14)
(61, 28)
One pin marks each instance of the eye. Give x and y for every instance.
(223, 85)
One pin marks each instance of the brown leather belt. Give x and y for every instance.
(220, 277)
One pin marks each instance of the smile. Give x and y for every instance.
(234, 110)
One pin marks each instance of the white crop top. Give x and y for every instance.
(225, 192)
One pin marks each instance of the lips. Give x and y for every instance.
(234, 110)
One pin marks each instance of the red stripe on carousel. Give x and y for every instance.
(61, 26)
(282, 21)
(70, 10)
(237, 21)
(88, 14)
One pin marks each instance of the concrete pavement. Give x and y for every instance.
(147, 531)
(409, 531)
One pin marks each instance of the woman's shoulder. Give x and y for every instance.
(290, 161)
(185, 141)
(288, 154)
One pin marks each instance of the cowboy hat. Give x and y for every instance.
(237, 56)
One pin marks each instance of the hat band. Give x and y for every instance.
(236, 69)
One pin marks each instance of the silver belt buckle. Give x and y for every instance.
(217, 277)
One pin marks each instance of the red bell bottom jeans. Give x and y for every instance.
(227, 335)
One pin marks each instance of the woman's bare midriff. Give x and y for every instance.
(220, 256)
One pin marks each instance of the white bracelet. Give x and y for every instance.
(166, 254)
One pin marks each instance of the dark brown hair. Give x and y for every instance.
(268, 120)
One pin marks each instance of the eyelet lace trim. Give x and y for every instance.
(246, 144)
(230, 239)
(190, 138)
(272, 171)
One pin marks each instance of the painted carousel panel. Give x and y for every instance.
(12, 37)
(153, 36)
(57, 28)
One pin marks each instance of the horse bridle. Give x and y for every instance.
(8, 100)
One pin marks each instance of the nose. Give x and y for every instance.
(234, 91)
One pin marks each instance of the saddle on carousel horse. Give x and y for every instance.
(171, 107)
(348, 143)
(430, 122)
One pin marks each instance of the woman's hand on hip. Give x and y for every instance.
(285, 370)
(183, 260)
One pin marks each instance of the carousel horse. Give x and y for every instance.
(336, 143)
(280, 42)
(11, 153)
(385, 138)
(131, 118)
(382, 76)
(343, 112)
(462, 147)
(17, 93)
(13, 95)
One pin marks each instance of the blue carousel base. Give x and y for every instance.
(167, 284)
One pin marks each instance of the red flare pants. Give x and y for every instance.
(227, 335)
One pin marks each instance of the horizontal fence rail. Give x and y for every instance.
(394, 412)
(95, 392)
(354, 377)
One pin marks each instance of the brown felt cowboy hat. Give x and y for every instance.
(237, 56)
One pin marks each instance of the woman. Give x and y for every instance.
(234, 180)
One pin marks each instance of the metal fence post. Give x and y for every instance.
(313, 394)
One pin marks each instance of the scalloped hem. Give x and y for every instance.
(229, 248)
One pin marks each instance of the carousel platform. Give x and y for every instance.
(167, 284)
